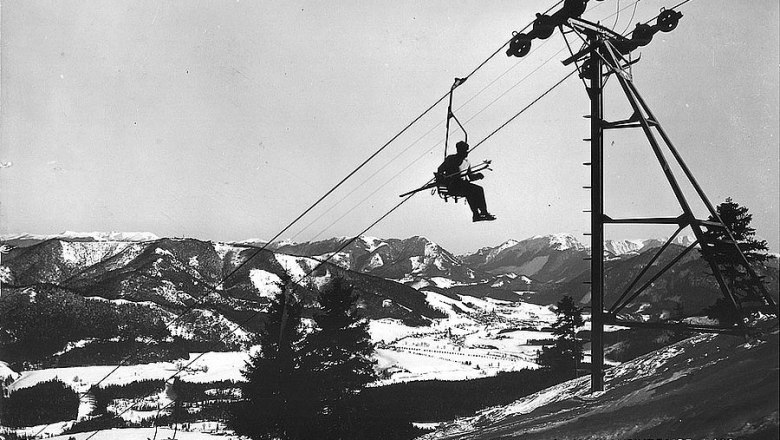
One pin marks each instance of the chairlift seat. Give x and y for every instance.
(441, 188)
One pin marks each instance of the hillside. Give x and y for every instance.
(407, 259)
(103, 292)
(707, 386)
(224, 300)
(73, 308)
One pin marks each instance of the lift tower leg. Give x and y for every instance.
(596, 219)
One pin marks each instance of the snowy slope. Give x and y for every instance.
(544, 258)
(704, 387)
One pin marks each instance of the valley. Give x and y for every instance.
(97, 312)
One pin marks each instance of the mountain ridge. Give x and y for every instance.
(180, 271)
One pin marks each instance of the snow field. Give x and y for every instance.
(266, 283)
(85, 255)
(299, 268)
(479, 337)
(372, 243)
(217, 432)
(295, 266)
(341, 259)
(211, 367)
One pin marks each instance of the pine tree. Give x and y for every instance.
(726, 257)
(338, 360)
(274, 397)
(738, 220)
(565, 356)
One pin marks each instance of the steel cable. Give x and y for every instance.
(323, 197)
(260, 249)
(356, 237)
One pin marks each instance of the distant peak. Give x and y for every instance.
(261, 241)
(112, 236)
(372, 243)
(95, 235)
(426, 240)
(560, 241)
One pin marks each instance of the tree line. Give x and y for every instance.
(40, 321)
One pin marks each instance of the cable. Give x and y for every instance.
(416, 119)
(430, 130)
(659, 14)
(510, 40)
(517, 84)
(361, 184)
(535, 48)
(628, 25)
(521, 59)
(312, 271)
(617, 15)
(398, 205)
(353, 172)
(346, 178)
(523, 110)
(379, 150)
(377, 189)
(429, 149)
(352, 240)
(435, 144)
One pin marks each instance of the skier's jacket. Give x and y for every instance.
(452, 165)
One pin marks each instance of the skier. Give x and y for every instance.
(457, 175)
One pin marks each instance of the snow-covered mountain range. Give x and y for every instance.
(392, 275)
(25, 239)
(408, 259)
(433, 314)
(542, 258)
(95, 235)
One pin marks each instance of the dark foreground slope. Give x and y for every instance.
(704, 387)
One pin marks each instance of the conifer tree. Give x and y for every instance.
(338, 360)
(274, 402)
(566, 355)
(726, 257)
(738, 219)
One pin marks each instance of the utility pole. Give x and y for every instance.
(596, 79)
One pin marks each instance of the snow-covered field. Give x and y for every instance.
(148, 433)
(210, 367)
(479, 337)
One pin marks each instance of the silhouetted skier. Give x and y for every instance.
(456, 170)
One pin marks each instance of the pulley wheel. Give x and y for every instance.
(574, 8)
(543, 26)
(642, 34)
(668, 19)
(519, 46)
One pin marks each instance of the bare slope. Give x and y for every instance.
(704, 387)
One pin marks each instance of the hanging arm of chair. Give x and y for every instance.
(451, 115)
(465, 134)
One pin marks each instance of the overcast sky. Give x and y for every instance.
(224, 120)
